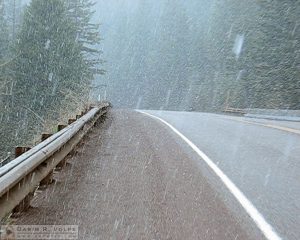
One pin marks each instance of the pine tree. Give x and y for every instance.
(4, 40)
(88, 35)
(277, 60)
(4, 50)
(51, 69)
(50, 62)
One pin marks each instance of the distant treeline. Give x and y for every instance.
(204, 55)
(48, 58)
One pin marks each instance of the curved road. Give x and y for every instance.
(261, 157)
(135, 178)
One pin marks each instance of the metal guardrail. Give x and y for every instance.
(235, 110)
(20, 178)
(4, 161)
(270, 114)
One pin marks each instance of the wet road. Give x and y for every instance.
(134, 178)
(260, 157)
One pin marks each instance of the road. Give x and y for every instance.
(135, 178)
(260, 156)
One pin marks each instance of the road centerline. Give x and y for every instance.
(255, 215)
(285, 129)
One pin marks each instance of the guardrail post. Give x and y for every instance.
(20, 150)
(47, 180)
(19, 185)
(62, 164)
(71, 120)
(24, 204)
(61, 127)
(45, 136)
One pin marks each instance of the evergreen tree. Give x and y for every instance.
(88, 35)
(48, 67)
(51, 69)
(4, 40)
(4, 49)
(274, 57)
(50, 62)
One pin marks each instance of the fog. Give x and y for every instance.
(200, 55)
(201, 139)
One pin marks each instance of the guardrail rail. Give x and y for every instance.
(22, 176)
(270, 114)
(234, 110)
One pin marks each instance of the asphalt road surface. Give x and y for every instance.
(135, 178)
(261, 157)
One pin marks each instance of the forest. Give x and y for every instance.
(202, 55)
(48, 58)
(193, 55)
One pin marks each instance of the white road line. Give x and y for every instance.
(256, 216)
